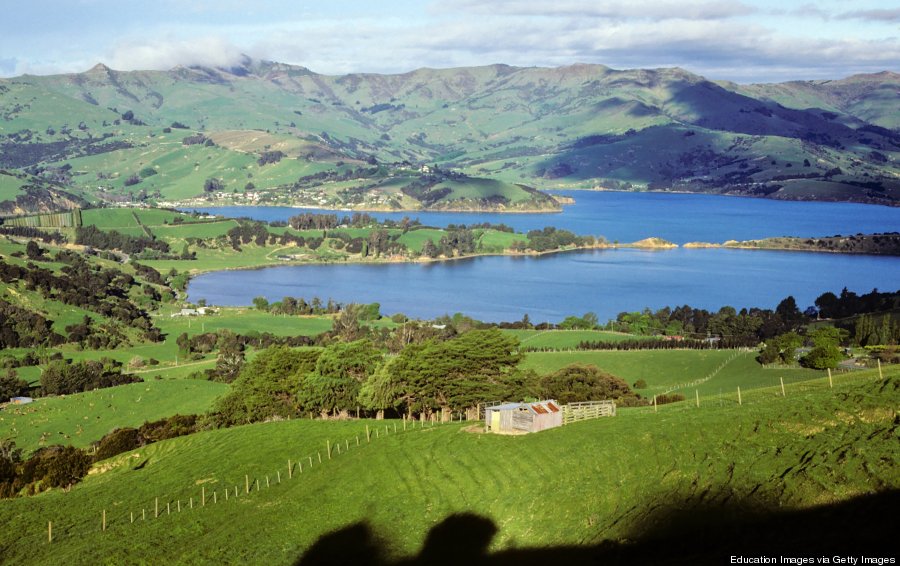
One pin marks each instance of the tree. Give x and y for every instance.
(212, 185)
(780, 349)
(583, 382)
(341, 369)
(267, 387)
(453, 374)
(261, 303)
(826, 352)
(231, 357)
(429, 249)
(11, 385)
(33, 250)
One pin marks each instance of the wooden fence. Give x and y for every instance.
(587, 410)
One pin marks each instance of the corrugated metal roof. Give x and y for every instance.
(540, 407)
(504, 406)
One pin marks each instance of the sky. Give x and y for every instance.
(739, 40)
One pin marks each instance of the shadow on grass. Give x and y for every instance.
(692, 533)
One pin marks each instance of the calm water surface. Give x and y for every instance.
(552, 287)
(678, 218)
(606, 282)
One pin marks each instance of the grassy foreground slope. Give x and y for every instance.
(625, 480)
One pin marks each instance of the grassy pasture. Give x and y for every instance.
(85, 417)
(602, 480)
(663, 369)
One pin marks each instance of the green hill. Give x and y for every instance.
(580, 126)
(820, 464)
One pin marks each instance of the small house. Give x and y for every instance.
(514, 418)
(21, 400)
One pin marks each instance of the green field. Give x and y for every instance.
(609, 480)
(85, 417)
(665, 369)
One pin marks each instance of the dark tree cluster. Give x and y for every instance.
(112, 240)
(197, 139)
(726, 324)
(104, 291)
(727, 343)
(551, 238)
(33, 233)
(299, 306)
(125, 439)
(849, 303)
(310, 221)
(65, 378)
(267, 157)
(247, 232)
(52, 466)
(22, 328)
(460, 241)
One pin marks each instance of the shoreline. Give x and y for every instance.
(196, 206)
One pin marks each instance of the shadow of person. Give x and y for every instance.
(459, 539)
(351, 545)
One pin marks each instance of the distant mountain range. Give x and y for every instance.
(465, 138)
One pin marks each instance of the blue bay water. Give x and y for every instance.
(606, 282)
(551, 287)
(679, 218)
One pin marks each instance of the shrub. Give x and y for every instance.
(64, 466)
(640, 384)
(116, 442)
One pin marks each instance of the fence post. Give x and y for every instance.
(215, 497)
(178, 506)
(132, 516)
(279, 475)
(697, 394)
(830, 383)
(49, 531)
(267, 481)
(739, 395)
(367, 433)
(104, 520)
(781, 379)
(328, 447)
(654, 404)
(257, 484)
(156, 508)
(168, 507)
(880, 375)
(202, 496)
(247, 483)
(346, 445)
(290, 470)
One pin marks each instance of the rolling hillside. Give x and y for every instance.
(289, 129)
(814, 471)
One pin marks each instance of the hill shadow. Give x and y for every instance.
(688, 533)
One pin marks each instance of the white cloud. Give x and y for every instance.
(886, 15)
(647, 9)
(163, 54)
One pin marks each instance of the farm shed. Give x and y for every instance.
(21, 400)
(523, 417)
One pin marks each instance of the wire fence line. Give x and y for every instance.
(709, 376)
(118, 518)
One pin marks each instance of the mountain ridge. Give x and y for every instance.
(575, 126)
